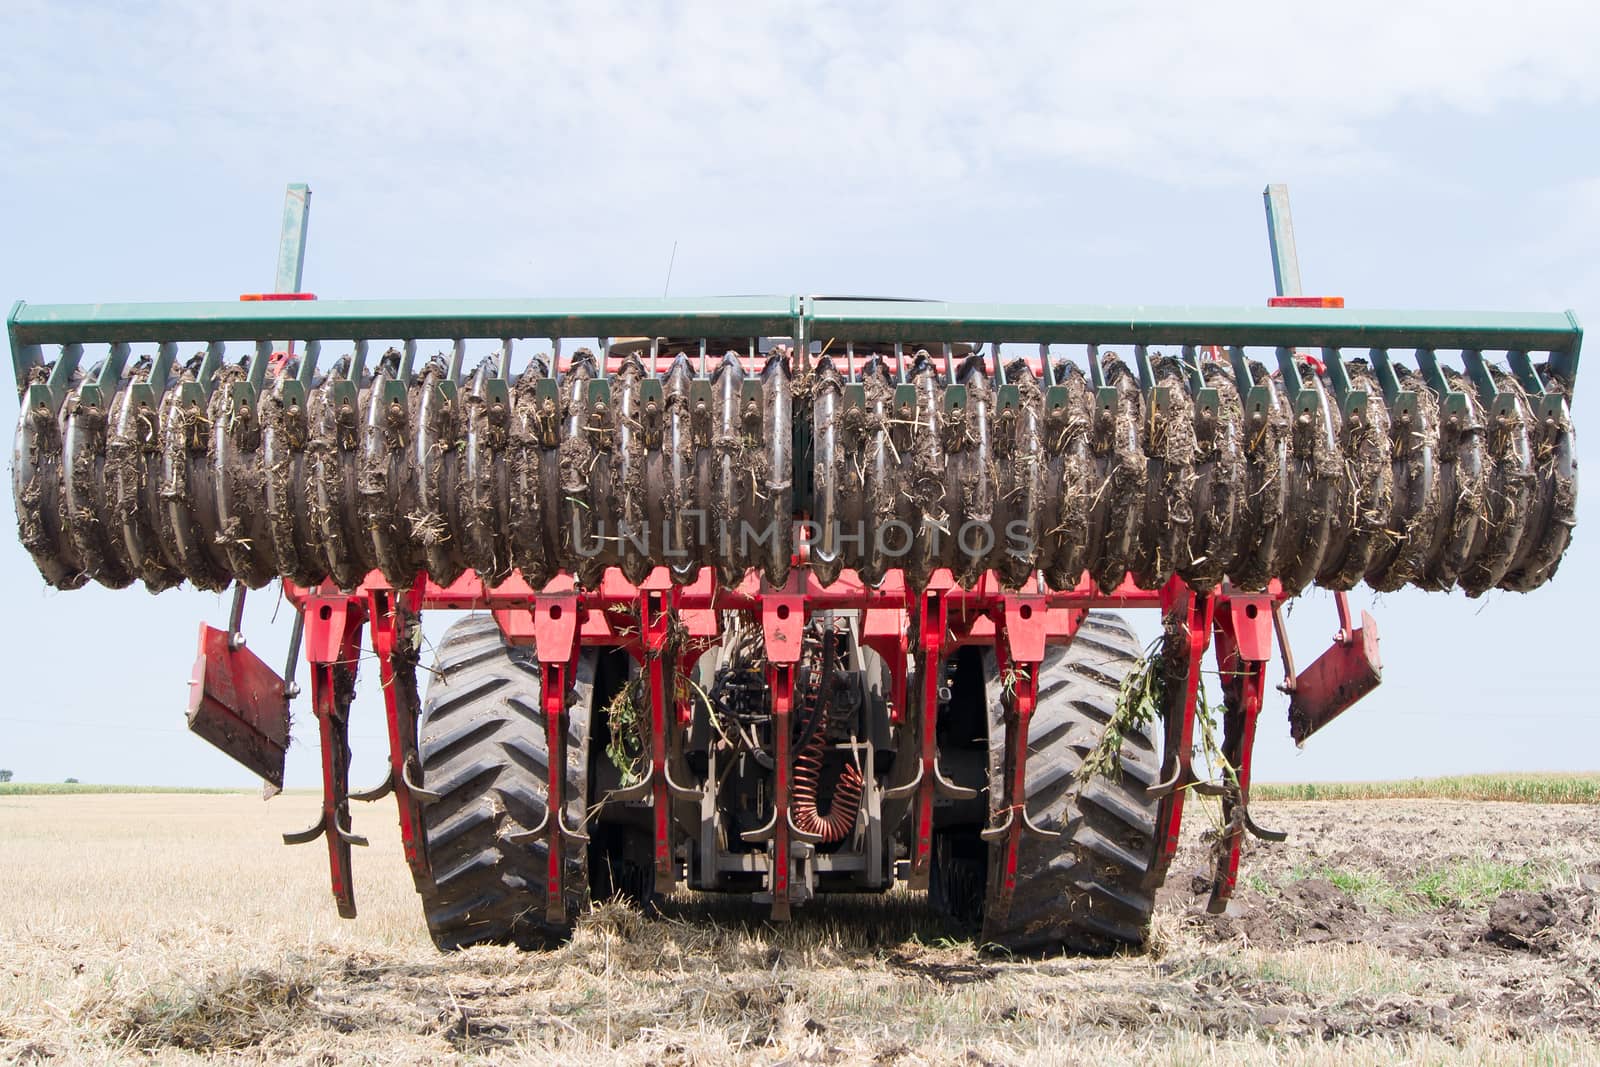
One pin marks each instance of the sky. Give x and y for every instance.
(1439, 155)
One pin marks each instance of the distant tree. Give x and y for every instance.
(5, 775)
(72, 781)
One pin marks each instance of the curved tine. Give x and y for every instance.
(348, 835)
(946, 788)
(418, 793)
(900, 792)
(682, 792)
(382, 790)
(577, 834)
(998, 833)
(1169, 785)
(1262, 832)
(798, 834)
(636, 790)
(765, 833)
(1211, 789)
(522, 836)
(1034, 828)
(305, 837)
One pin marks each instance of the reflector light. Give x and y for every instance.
(1305, 302)
(299, 296)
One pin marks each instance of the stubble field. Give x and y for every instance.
(165, 928)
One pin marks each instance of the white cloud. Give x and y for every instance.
(805, 92)
(512, 128)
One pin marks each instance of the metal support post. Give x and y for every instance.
(333, 648)
(556, 646)
(783, 621)
(1020, 632)
(655, 613)
(1244, 645)
(932, 624)
(394, 619)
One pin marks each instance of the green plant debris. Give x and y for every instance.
(1468, 883)
(1140, 699)
(625, 719)
(1138, 705)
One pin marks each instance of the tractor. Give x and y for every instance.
(789, 596)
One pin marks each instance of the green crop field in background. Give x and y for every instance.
(1533, 788)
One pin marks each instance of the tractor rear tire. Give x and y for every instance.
(1085, 890)
(483, 750)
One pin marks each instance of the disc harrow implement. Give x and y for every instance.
(1311, 446)
(784, 596)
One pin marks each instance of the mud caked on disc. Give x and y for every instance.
(909, 468)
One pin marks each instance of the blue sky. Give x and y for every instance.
(1439, 155)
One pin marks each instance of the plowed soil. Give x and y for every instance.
(169, 928)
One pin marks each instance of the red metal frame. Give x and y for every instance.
(909, 628)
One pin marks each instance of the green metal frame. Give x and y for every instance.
(1136, 324)
(355, 320)
(71, 325)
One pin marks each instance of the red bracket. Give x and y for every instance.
(518, 625)
(932, 626)
(701, 630)
(333, 623)
(1023, 627)
(886, 631)
(655, 604)
(1244, 645)
(555, 640)
(1026, 628)
(783, 623)
(780, 681)
(392, 616)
